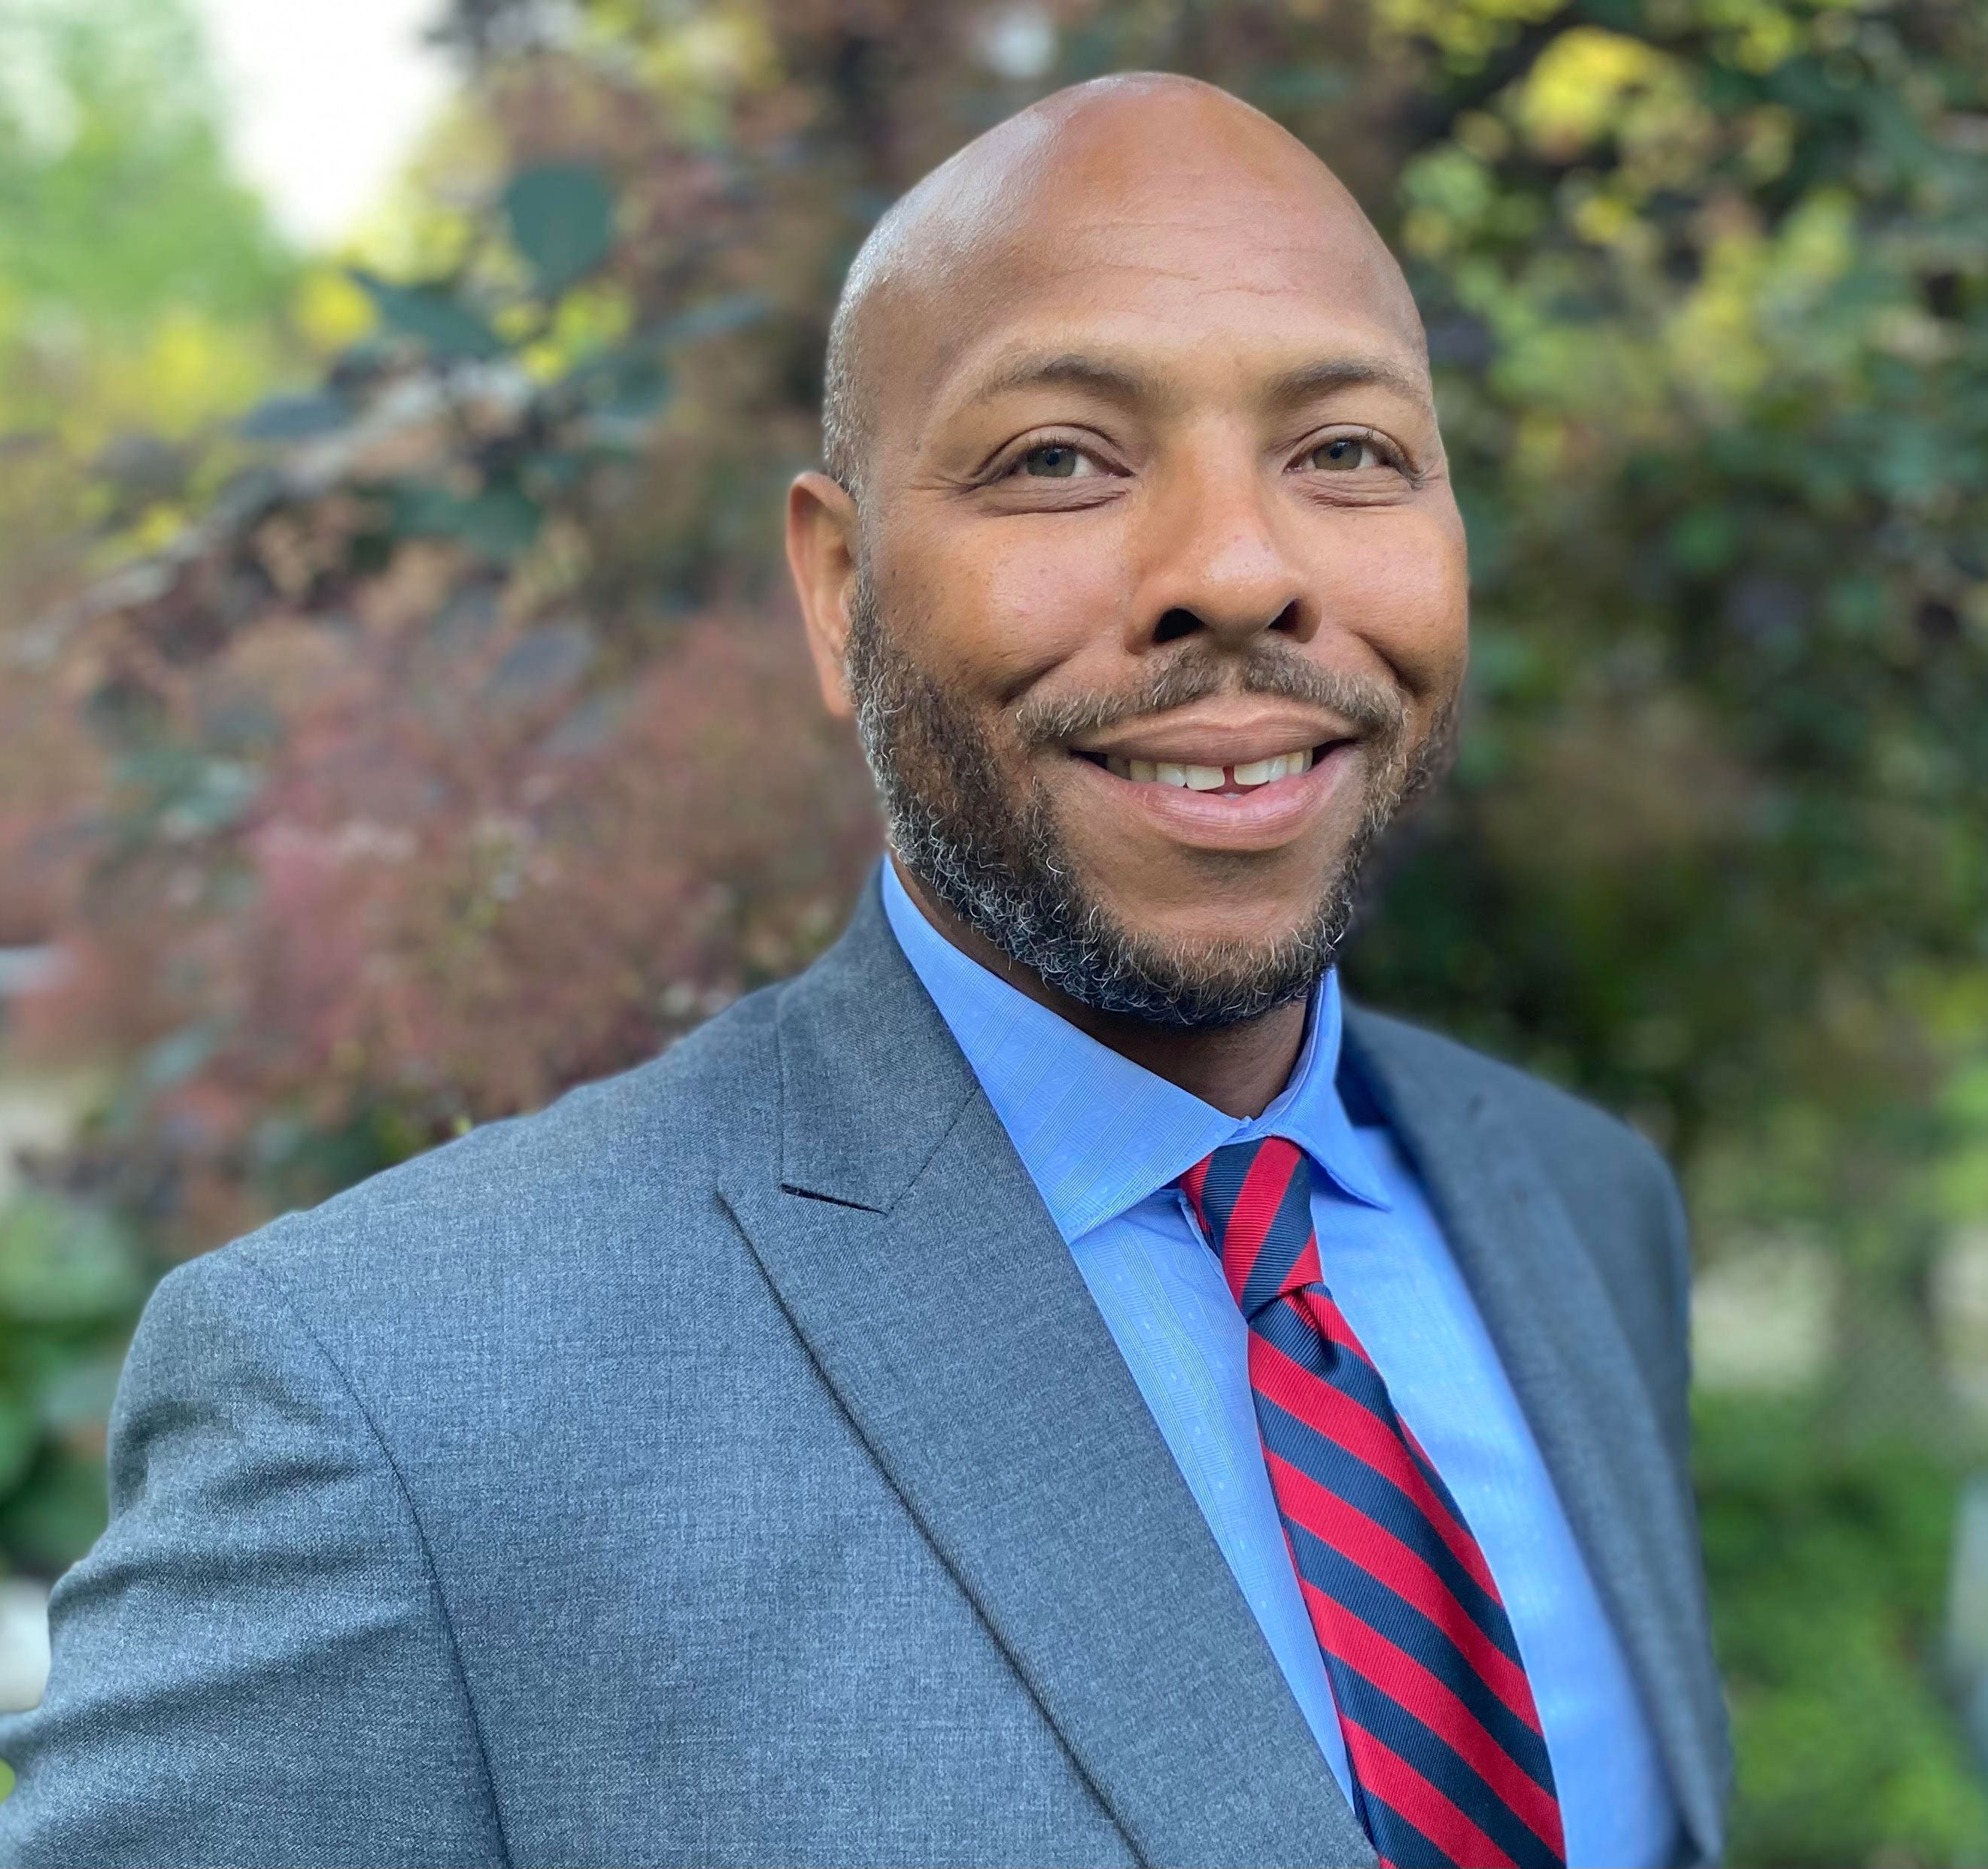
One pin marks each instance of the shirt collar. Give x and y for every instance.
(1097, 1133)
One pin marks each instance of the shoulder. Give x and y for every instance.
(617, 1173)
(1616, 1188)
(1578, 1143)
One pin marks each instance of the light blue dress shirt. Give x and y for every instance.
(1104, 1140)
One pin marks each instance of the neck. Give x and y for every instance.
(1238, 1068)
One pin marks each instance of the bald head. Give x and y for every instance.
(1013, 207)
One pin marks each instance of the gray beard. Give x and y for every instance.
(998, 860)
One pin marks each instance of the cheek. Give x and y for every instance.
(994, 608)
(1399, 580)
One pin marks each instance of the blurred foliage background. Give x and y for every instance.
(402, 715)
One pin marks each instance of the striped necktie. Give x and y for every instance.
(1449, 1763)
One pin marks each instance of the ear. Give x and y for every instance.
(821, 555)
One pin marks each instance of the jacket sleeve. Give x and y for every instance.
(254, 1664)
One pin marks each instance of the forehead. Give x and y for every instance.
(1206, 279)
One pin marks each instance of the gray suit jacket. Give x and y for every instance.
(728, 1465)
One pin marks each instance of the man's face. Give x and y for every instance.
(1160, 594)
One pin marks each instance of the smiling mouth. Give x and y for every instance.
(1230, 781)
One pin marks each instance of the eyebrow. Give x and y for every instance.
(1310, 381)
(1121, 383)
(1071, 370)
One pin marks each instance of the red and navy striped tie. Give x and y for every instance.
(1449, 1766)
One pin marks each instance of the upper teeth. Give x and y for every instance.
(1210, 777)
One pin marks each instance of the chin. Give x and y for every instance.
(1202, 942)
(1207, 939)
(1218, 906)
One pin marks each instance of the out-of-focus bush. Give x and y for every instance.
(460, 746)
(144, 301)
(141, 305)
(70, 1277)
(1828, 1577)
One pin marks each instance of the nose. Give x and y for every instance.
(1216, 560)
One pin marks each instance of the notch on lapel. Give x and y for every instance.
(919, 1266)
(1562, 1344)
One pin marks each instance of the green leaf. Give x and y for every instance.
(175, 1058)
(75, 1394)
(562, 216)
(64, 1263)
(732, 311)
(628, 379)
(432, 315)
(502, 521)
(294, 418)
(637, 394)
(20, 1439)
(206, 795)
(59, 1513)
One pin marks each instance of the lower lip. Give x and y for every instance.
(1260, 819)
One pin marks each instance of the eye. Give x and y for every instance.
(1347, 454)
(1054, 460)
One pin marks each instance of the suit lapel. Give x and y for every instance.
(917, 1261)
(1562, 1345)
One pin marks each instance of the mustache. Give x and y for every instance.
(1369, 706)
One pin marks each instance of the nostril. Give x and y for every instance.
(1287, 619)
(1175, 624)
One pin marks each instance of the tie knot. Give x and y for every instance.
(1253, 1200)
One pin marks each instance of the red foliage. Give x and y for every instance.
(455, 896)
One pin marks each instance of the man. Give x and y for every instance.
(1051, 1384)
